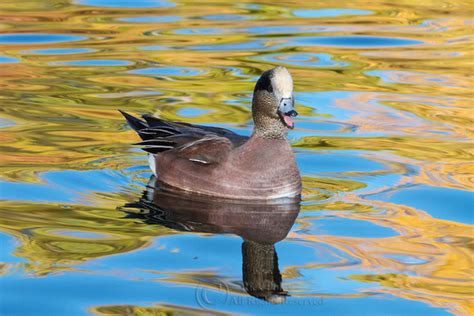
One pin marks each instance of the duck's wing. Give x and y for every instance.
(207, 150)
(198, 143)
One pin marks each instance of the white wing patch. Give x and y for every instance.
(152, 163)
(199, 160)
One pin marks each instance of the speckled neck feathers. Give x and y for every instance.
(266, 126)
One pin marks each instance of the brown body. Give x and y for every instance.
(259, 169)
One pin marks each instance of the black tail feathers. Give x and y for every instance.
(153, 131)
(135, 123)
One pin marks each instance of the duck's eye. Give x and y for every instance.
(264, 83)
(267, 84)
(270, 87)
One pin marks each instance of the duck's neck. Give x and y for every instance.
(269, 128)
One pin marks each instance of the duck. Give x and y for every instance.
(217, 162)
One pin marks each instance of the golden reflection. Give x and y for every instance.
(441, 273)
(159, 310)
(48, 250)
(408, 108)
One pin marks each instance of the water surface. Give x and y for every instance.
(383, 142)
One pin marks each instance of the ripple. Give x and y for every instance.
(319, 164)
(248, 46)
(327, 13)
(412, 54)
(153, 47)
(409, 77)
(31, 38)
(9, 244)
(225, 17)
(356, 41)
(127, 3)
(151, 19)
(8, 60)
(448, 204)
(168, 71)
(4, 123)
(94, 63)
(202, 31)
(370, 115)
(286, 29)
(125, 94)
(80, 234)
(64, 186)
(257, 30)
(192, 112)
(322, 126)
(406, 259)
(346, 227)
(60, 51)
(312, 60)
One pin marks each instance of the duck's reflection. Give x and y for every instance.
(260, 225)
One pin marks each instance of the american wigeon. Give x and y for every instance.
(218, 162)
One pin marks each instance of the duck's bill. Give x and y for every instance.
(286, 118)
(286, 111)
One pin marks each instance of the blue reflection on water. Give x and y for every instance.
(25, 38)
(6, 59)
(318, 126)
(299, 252)
(225, 17)
(192, 112)
(322, 162)
(356, 41)
(324, 13)
(303, 59)
(93, 62)
(35, 192)
(60, 51)
(168, 71)
(193, 252)
(64, 186)
(326, 102)
(202, 31)
(151, 19)
(443, 203)
(24, 296)
(339, 226)
(7, 249)
(410, 77)
(405, 259)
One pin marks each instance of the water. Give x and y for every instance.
(383, 142)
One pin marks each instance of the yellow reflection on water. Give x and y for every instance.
(407, 107)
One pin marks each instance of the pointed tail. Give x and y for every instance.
(135, 123)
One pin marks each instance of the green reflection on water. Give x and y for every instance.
(405, 107)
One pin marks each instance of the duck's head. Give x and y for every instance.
(273, 103)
